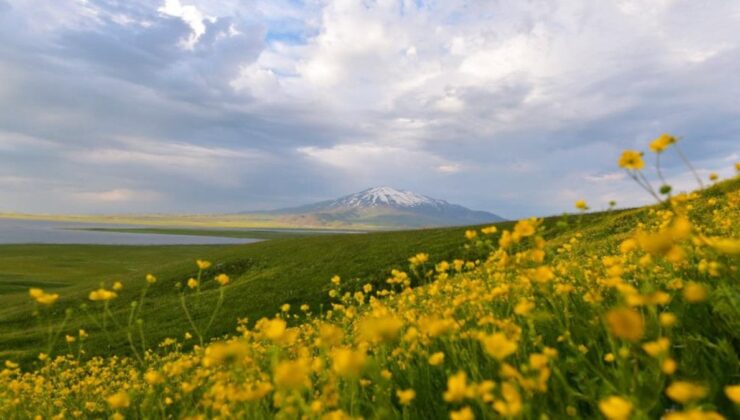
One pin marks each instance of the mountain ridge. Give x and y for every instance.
(385, 206)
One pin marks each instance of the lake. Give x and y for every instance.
(14, 231)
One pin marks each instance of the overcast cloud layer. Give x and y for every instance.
(215, 106)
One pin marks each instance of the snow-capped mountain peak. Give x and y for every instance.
(385, 207)
(386, 197)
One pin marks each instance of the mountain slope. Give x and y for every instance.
(385, 207)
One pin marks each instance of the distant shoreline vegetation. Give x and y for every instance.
(210, 221)
(225, 233)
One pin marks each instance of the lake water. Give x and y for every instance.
(14, 231)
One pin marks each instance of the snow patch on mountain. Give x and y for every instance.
(386, 196)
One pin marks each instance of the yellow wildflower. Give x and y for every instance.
(102, 295)
(724, 245)
(631, 159)
(498, 346)
(348, 362)
(405, 396)
(273, 329)
(525, 228)
(380, 329)
(625, 323)
(435, 327)
(437, 358)
(292, 374)
(152, 377)
(693, 414)
(118, 400)
(661, 143)
(42, 297)
(615, 408)
(203, 264)
(511, 405)
(627, 246)
(658, 347)
(490, 230)
(464, 413)
(694, 292)
(222, 279)
(457, 388)
(419, 259)
(668, 366)
(733, 393)
(684, 392)
(664, 243)
(225, 352)
(523, 307)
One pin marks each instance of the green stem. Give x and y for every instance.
(216, 309)
(660, 173)
(643, 186)
(141, 299)
(55, 336)
(140, 326)
(197, 287)
(190, 319)
(689, 165)
(110, 314)
(650, 187)
(133, 347)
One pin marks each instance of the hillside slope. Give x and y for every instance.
(620, 314)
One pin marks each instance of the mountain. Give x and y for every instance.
(384, 207)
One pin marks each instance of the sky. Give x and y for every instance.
(516, 107)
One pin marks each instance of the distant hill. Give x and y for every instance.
(384, 207)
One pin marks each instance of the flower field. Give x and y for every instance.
(637, 317)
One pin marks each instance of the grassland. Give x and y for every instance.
(266, 274)
(617, 315)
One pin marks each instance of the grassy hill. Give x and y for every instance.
(626, 314)
(264, 275)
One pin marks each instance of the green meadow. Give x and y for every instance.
(265, 275)
(287, 267)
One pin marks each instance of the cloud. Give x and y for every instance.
(219, 105)
(119, 195)
(190, 15)
(606, 177)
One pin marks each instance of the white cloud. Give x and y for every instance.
(367, 158)
(216, 165)
(190, 15)
(118, 195)
(449, 168)
(606, 177)
(521, 100)
(19, 141)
